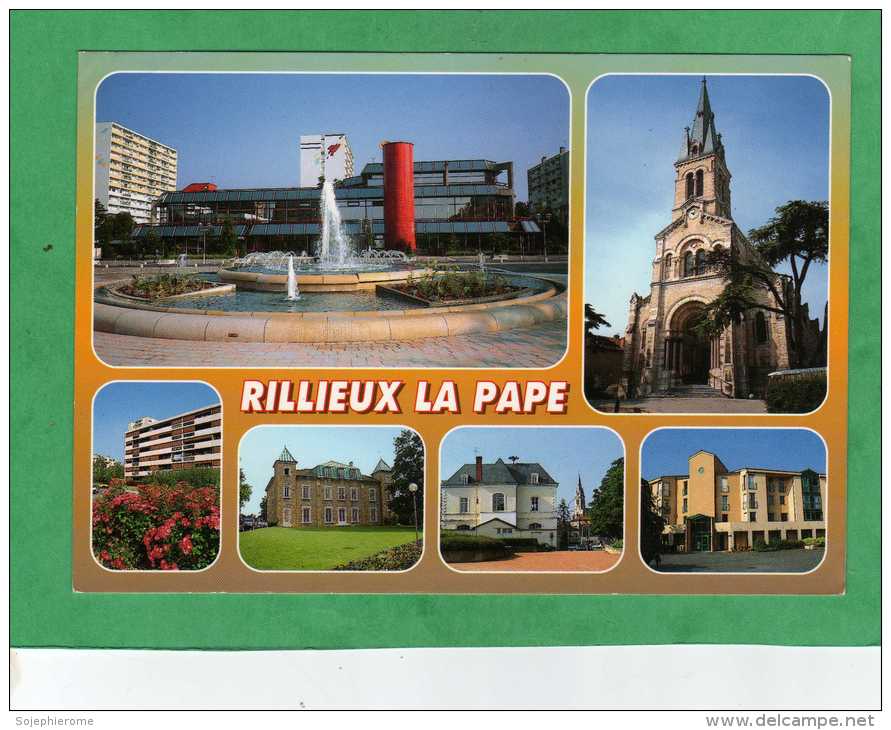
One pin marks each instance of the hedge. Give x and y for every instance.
(796, 394)
(401, 557)
(765, 547)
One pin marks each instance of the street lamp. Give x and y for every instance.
(544, 218)
(413, 488)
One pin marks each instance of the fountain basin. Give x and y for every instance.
(379, 325)
(323, 281)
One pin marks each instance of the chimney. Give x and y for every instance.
(479, 468)
(562, 150)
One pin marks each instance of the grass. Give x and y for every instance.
(317, 548)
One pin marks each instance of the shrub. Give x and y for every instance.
(617, 544)
(815, 541)
(157, 527)
(197, 477)
(459, 540)
(522, 543)
(769, 547)
(163, 285)
(401, 557)
(796, 394)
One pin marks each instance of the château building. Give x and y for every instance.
(327, 495)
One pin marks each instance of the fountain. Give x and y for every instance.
(334, 248)
(183, 261)
(482, 260)
(293, 291)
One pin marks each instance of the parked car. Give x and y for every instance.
(247, 522)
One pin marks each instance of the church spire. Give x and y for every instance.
(701, 138)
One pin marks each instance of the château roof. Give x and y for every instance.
(701, 138)
(286, 456)
(381, 466)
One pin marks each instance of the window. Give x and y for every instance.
(372, 494)
(666, 489)
(354, 493)
(341, 515)
(329, 515)
(341, 492)
(725, 485)
(533, 477)
(771, 485)
(751, 482)
(465, 478)
(327, 492)
(535, 504)
(498, 502)
(753, 503)
(725, 502)
(700, 262)
(463, 505)
(688, 264)
(666, 267)
(305, 492)
(725, 517)
(699, 185)
(690, 190)
(354, 516)
(684, 508)
(685, 488)
(287, 471)
(753, 517)
(784, 517)
(504, 531)
(760, 328)
(306, 515)
(287, 493)
(770, 499)
(534, 525)
(373, 514)
(782, 499)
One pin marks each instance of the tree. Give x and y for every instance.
(152, 241)
(263, 508)
(594, 320)
(104, 470)
(408, 468)
(608, 503)
(521, 209)
(122, 226)
(563, 518)
(228, 238)
(651, 525)
(799, 235)
(244, 489)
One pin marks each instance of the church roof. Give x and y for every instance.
(285, 455)
(381, 466)
(701, 138)
(501, 473)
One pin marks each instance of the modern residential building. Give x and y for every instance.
(549, 185)
(327, 495)
(455, 202)
(713, 508)
(501, 500)
(324, 155)
(185, 441)
(131, 170)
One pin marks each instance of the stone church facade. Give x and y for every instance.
(663, 350)
(327, 495)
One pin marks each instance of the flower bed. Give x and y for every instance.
(401, 557)
(438, 289)
(156, 527)
(163, 286)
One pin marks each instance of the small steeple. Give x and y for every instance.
(381, 466)
(701, 138)
(285, 456)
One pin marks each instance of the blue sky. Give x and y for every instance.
(563, 452)
(311, 445)
(117, 404)
(776, 136)
(242, 130)
(666, 451)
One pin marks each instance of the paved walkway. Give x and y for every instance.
(779, 561)
(561, 560)
(717, 404)
(533, 347)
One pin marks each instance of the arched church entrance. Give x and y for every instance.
(687, 351)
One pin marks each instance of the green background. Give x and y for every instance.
(44, 609)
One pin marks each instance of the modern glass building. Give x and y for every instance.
(458, 204)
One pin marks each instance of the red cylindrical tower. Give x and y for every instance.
(399, 196)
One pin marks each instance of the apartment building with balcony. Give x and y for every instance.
(713, 508)
(186, 441)
(131, 170)
(548, 183)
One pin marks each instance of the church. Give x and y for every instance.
(664, 352)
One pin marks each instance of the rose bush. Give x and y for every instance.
(156, 527)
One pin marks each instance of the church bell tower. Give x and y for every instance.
(702, 179)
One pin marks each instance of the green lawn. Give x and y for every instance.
(316, 548)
